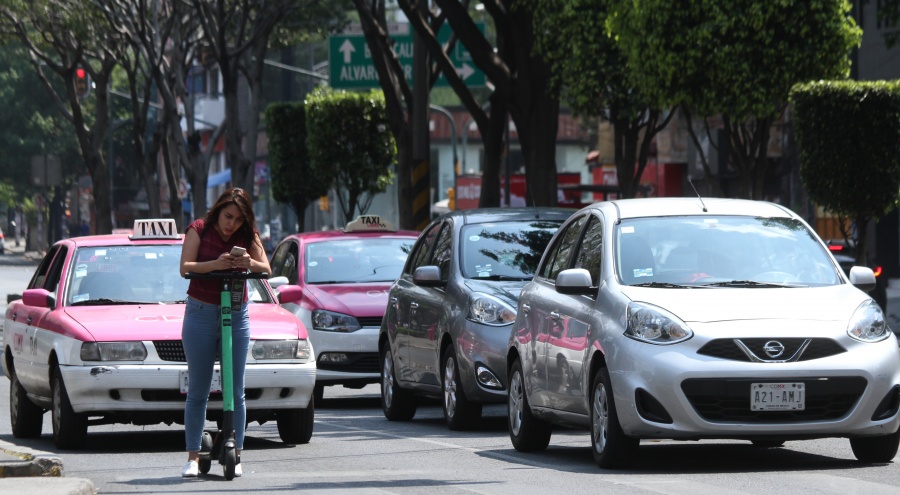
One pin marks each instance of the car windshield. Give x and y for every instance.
(721, 251)
(376, 259)
(134, 274)
(504, 250)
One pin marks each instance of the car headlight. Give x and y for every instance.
(654, 325)
(867, 323)
(113, 351)
(281, 349)
(334, 322)
(489, 310)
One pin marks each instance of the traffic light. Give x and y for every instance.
(82, 82)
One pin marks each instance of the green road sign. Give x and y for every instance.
(351, 67)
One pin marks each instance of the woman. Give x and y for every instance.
(207, 247)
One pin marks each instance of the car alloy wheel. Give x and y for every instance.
(609, 444)
(527, 433)
(397, 404)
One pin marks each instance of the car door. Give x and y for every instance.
(427, 308)
(31, 342)
(399, 315)
(571, 319)
(538, 302)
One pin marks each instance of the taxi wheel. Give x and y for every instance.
(459, 412)
(25, 418)
(69, 428)
(876, 450)
(767, 444)
(609, 444)
(397, 404)
(528, 433)
(295, 426)
(319, 393)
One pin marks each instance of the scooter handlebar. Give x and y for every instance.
(227, 275)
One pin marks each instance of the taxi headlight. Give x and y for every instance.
(654, 325)
(489, 310)
(867, 323)
(281, 349)
(334, 322)
(113, 351)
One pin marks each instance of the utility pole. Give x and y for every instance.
(421, 146)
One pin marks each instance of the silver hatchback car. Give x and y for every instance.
(689, 318)
(449, 315)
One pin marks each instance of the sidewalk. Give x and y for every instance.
(27, 471)
(17, 256)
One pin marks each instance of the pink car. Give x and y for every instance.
(96, 339)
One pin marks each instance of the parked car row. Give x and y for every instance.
(675, 318)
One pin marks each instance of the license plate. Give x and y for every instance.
(777, 396)
(216, 381)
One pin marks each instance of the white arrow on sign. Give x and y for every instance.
(347, 49)
(465, 71)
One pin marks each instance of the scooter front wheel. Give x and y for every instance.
(229, 462)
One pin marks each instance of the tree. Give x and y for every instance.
(348, 133)
(591, 75)
(294, 180)
(59, 43)
(737, 60)
(848, 135)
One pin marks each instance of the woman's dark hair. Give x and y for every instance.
(238, 197)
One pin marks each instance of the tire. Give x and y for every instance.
(397, 404)
(228, 463)
(295, 426)
(876, 450)
(459, 412)
(609, 444)
(319, 393)
(69, 428)
(25, 418)
(527, 433)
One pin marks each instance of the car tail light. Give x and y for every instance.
(877, 270)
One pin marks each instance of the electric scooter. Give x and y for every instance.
(223, 447)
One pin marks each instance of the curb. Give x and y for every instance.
(28, 464)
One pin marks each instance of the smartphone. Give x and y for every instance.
(238, 251)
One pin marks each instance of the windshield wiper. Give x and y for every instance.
(106, 302)
(663, 285)
(748, 283)
(502, 277)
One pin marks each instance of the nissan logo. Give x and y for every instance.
(773, 349)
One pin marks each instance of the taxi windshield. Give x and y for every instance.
(504, 250)
(376, 259)
(133, 274)
(722, 251)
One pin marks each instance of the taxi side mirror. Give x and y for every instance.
(289, 293)
(40, 298)
(278, 281)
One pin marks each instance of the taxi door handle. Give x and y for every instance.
(393, 300)
(28, 320)
(526, 307)
(554, 315)
(14, 315)
(413, 305)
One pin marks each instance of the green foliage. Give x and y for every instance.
(349, 134)
(737, 58)
(294, 180)
(848, 134)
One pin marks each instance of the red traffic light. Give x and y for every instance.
(82, 85)
(80, 73)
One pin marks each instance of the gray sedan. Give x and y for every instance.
(449, 315)
(689, 318)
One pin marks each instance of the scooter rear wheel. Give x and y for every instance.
(229, 462)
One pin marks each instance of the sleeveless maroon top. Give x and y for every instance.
(211, 247)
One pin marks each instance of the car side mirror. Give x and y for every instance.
(289, 293)
(574, 281)
(428, 276)
(862, 277)
(277, 282)
(39, 298)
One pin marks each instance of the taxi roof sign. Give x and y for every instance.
(369, 223)
(154, 228)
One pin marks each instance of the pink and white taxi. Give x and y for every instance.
(346, 276)
(96, 339)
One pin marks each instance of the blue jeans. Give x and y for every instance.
(201, 337)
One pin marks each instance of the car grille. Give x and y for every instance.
(720, 399)
(357, 362)
(170, 350)
(370, 321)
(731, 349)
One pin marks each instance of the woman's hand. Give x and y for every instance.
(242, 262)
